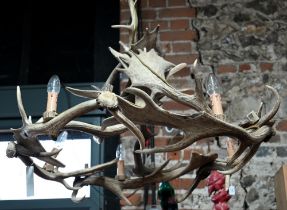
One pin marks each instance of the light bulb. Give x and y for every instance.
(62, 137)
(213, 89)
(120, 152)
(120, 155)
(53, 89)
(58, 145)
(54, 85)
(213, 85)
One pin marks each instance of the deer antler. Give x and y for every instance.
(140, 104)
(117, 187)
(133, 25)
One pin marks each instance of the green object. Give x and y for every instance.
(167, 196)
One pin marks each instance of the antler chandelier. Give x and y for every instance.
(140, 104)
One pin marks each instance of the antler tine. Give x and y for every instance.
(274, 109)
(110, 121)
(138, 114)
(122, 58)
(87, 171)
(176, 69)
(74, 197)
(113, 185)
(139, 168)
(178, 164)
(60, 177)
(259, 111)
(117, 187)
(84, 93)
(237, 166)
(54, 126)
(133, 25)
(130, 125)
(202, 173)
(159, 169)
(18, 149)
(43, 173)
(23, 114)
(101, 131)
(112, 75)
(143, 171)
(242, 147)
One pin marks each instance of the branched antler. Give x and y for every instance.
(140, 104)
(133, 27)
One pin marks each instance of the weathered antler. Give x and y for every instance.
(132, 28)
(117, 187)
(140, 104)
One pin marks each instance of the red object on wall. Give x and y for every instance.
(221, 206)
(216, 187)
(215, 182)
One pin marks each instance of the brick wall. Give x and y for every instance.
(177, 41)
(243, 42)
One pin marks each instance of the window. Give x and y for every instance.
(48, 194)
(70, 41)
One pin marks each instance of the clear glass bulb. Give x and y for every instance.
(120, 153)
(213, 85)
(62, 137)
(54, 84)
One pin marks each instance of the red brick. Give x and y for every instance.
(186, 183)
(156, 129)
(226, 69)
(177, 2)
(179, 24)
(125, 15)
(244, 67)
(177, 12)
(146, 24)
(282, 125)
(189, 35)
(157, 3)
(266, 66)
(186, 155)
(148, 14)
(124, 38)
(165, 140)
(124, 4)
(135, 199)
(160, 141)
(181, 47)
(163, 24)
(189, 59)
(144, 3)
(173, 155)
(165, 47)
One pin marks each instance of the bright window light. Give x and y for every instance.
(76, 154)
